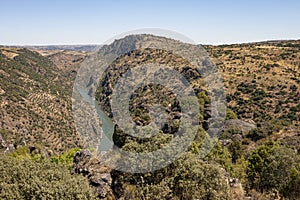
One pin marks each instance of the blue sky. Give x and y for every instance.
(37, 22)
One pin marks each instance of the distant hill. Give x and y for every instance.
(85, 48)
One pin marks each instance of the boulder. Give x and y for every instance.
(245, 126)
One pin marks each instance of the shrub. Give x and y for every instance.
(236, 150)
(220, 155)
(186, 178)
(230, 114)
(292, 190)
(196, 180)
(270, 167)
(26, 179)
(66, 158)
(256, 134)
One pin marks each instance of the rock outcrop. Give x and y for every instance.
(98, 175)
(235, 186)
(5, 147)
(245, 126)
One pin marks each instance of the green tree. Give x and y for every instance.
(220, 155)
(194, 179)
(236, 150)
(270, 167)
(186, 178)
(292, 190)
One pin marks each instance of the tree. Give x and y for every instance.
(270, 167)
(194, 179)
(186, 178)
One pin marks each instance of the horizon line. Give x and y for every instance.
(97, 44)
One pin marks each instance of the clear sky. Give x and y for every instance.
(37, 22)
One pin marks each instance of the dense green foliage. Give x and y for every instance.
(66, 158)
(187, 178)
(28, 179)
(274, 167)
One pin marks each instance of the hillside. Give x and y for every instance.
(262, 84)
(262, 127)
(256, 157)
(35, 98)
(262, 79)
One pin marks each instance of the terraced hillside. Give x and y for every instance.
(35, 98)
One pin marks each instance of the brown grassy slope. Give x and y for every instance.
(262, 79)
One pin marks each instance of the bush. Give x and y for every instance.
(230, 114)
(256, 134)
(270, 167)
(186, 178)
(26, 179)
(66, 158)
(220, 155)
(196, 180)
(292, 190)
(236, 150)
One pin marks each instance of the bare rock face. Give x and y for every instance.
(245, 126)
(99, 176)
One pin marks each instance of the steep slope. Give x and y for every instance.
(144, 97)
(35, 101)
